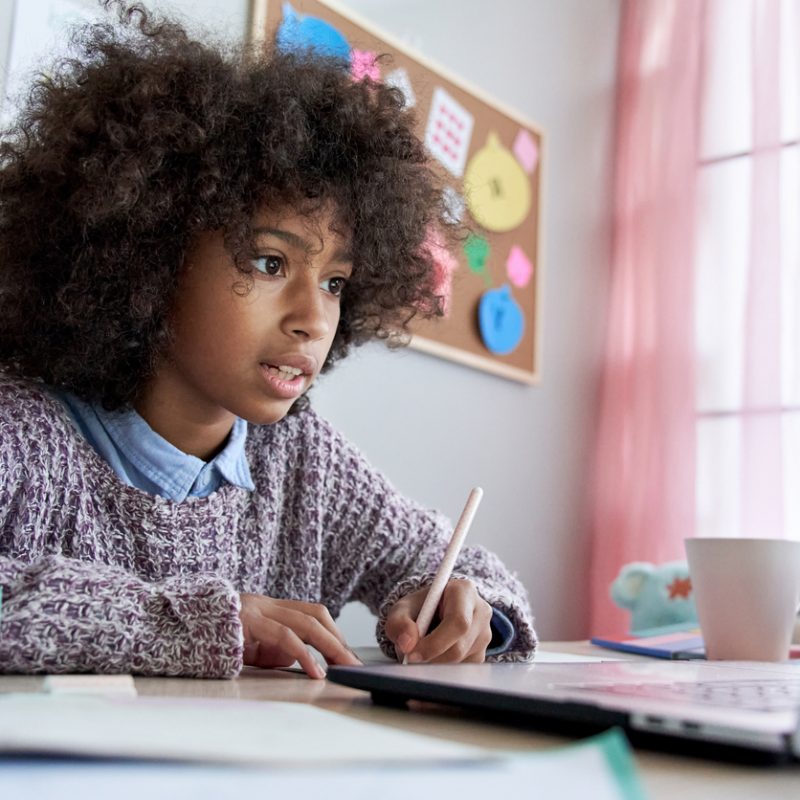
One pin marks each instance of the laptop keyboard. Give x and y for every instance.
(761, 695)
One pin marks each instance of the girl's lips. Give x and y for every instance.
(282, 386)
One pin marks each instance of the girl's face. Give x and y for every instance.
(253, 353)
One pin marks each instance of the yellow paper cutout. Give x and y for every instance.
(497, 190)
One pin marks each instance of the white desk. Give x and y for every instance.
(666, 777)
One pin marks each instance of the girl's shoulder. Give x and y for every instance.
(34, 395)
(29, 407)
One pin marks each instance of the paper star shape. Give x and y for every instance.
(680, 587)
(364, 65)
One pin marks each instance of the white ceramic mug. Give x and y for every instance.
(747, 593)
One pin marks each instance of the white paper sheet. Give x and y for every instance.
(548, 657)
(221, 731)
(601, 769)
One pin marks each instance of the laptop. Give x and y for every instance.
(713, 709)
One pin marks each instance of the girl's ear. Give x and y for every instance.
(629, 583)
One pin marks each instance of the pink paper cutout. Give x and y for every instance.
(526, 150)
(445, 264)
(518, 267)
(364, 64)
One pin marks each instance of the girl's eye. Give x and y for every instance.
(334, 285)
(269, 264)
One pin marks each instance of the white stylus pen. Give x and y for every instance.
(434, 595)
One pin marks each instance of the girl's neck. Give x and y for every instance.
(201, 432)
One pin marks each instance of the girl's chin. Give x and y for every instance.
(271, 412)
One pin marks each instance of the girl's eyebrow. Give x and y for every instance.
(342, 255)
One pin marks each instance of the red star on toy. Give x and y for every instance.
(680, 587)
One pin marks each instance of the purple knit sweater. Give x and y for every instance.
(100, 577)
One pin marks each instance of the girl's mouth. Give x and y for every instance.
(286, 382)
(283, 372)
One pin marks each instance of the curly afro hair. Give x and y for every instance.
(147, 137)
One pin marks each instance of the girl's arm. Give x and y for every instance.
(63, 615)
(382, 547)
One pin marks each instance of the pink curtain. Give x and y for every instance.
(643, 488)
(762, 456)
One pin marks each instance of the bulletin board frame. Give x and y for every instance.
(456, 337)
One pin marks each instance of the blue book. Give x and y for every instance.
(683, 644)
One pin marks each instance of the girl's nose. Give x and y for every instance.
(306, 315)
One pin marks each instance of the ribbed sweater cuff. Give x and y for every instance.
(191, 628)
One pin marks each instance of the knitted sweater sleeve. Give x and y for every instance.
(68, 604)
(61, 614)
(382, 546)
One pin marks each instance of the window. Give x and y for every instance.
(726, 283)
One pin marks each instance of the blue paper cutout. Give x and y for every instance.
(300, 32)
(500, 320)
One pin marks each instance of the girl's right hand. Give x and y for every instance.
(276, 633)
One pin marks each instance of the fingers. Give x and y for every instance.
(311, 631)
(400, 626)
(276, 633)
(464, 651)
(279, 646)
(316, 610)
(464, 631)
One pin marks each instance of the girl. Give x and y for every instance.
(187, 239)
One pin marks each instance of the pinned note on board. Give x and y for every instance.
(490, 161)
(303, 32)
(364, 64)
(477, 250)
(497, 189)
(501, 321)
(449, 130)
(526, 150)
(518, 267)
(454, 205)
(445, 264)
(398, 79)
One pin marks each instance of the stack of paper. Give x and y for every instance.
(217, 749)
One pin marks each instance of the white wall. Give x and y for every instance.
(437, 428)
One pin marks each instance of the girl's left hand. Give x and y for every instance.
(463, 633)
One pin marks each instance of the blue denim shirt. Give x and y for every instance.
(143, 459)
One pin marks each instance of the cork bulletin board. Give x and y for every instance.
(490, 158)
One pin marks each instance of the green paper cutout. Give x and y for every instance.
(477, 250)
